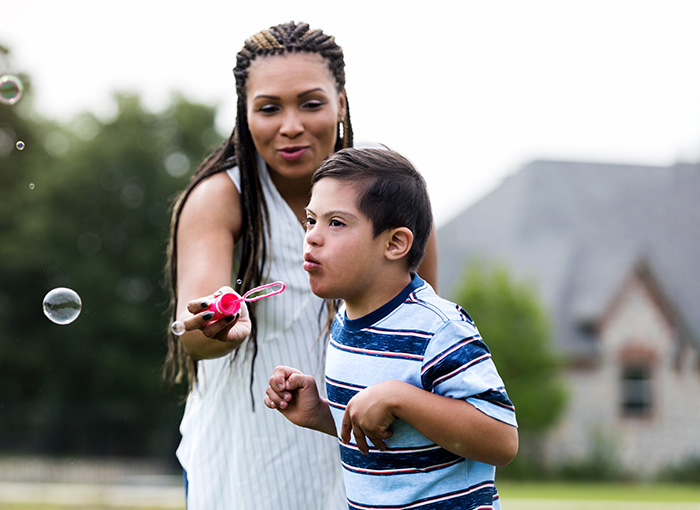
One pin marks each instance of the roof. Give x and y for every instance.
(578, 229)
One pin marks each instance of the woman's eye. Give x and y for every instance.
(309, 222)
(336, 223)
(268, 108)
(313, 104)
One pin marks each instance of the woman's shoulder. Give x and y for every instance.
(217, 188)
(216, 198)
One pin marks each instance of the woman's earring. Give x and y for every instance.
(341, 130)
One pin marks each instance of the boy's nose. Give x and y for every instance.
(312, 237)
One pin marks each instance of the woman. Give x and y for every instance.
(239, 220)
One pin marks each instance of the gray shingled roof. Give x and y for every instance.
(578, 230)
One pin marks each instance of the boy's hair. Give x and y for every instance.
(391, 192)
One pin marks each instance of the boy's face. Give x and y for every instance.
(341, 254)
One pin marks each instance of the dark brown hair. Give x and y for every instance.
(238, 150)
(391, 193)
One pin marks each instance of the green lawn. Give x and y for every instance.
(600, 491)
(517, 496)
(73, 506)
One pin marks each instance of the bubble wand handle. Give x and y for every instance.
(225, 305)
(230, 302)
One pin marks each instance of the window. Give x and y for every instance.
(636, 389)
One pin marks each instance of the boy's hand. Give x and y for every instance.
(295, 395)
(368, 415)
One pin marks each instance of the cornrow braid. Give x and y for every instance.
(266, 40)
(239, 150)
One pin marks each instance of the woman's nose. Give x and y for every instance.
(291, 124)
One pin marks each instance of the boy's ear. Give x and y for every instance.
(399, 243)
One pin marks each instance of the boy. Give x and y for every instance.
(420, 410)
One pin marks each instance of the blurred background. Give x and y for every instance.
(560, 143)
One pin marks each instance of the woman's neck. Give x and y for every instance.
(295, 192)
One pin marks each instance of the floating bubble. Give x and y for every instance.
(31, 185)
(20, 145)
(62, 305)
(239, 282)
(178, 328)
(11, 89)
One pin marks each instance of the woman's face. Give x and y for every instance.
(293, 111)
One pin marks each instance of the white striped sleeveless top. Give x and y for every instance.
(237, 458)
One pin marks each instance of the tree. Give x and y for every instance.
(514, 325)
(96, 221)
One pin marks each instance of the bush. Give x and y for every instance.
(687, 471)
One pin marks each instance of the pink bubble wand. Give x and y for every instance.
(229, 303)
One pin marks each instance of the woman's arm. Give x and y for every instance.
(210, 221)
(451, 423)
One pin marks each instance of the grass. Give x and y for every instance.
(600, 491)
(514, 496)
(48, 506)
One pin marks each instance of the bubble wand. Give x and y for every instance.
(229, 303)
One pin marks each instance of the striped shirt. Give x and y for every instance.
(433, 344)
(235, 457)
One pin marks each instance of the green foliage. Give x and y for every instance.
(96, 221)
(687, 471)
(514, 325)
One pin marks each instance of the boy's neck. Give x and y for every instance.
(380, 294)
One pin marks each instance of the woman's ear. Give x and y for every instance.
(399, 243)
(342, 105)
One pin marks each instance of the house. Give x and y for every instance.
(614, 251)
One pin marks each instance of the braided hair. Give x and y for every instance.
(239, 150)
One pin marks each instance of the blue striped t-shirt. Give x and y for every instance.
(424, 340)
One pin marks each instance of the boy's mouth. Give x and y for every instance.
(310, 263)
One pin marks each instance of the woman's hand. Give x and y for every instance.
(233, 328)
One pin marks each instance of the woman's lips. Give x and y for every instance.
(292, 153)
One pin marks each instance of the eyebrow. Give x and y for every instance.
(311, 91)
(337, 212)
(300, 94)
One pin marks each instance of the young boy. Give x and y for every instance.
(420, 410)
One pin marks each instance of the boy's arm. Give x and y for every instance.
(451, 423)
(295, 395)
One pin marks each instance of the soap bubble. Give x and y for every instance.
(31, 185)
(62, 305)
(11, 89)
(20, 145)
(178, 328)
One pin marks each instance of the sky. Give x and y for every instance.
(469, 91)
